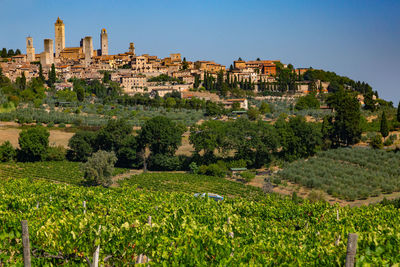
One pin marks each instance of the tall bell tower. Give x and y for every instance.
(104, 42)
(60, 36)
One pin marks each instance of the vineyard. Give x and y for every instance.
(185, 230)
(192, 183)
(61, 171)
(346, 173)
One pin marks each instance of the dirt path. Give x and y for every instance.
(123, 176)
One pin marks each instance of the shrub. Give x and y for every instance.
(7, 152)
(247, 176)
(163, 162)
(315, 196)
(99, 168)
(56, 153)
(388, 142)
(376, 142)
(194, 168)
(277, 180)
(33, 144)
(213, 170)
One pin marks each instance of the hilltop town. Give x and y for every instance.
(138, 73)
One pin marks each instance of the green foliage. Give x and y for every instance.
(80, 145)
(253, 114)
(161, 135)
(194, 169)
(398, 112)
(248, 176)
(347, 173)
(56, 153)
(298, 138)
(187, 230)
(346, 126)
(7, 152)
(164, 78)
(384, 129)
(376, 142)
(307, 102)
(99, 168)
(213, 170)
(163, 162)
(33, 144)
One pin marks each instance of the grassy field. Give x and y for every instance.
(347, 173)
(192, 183)
(60, 171)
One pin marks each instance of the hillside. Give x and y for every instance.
(186, 230)
(347, 173)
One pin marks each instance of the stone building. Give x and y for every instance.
(104, 42)
(60, 36)
(47, 57)
(30, 50)
(88, 49)
(132, 48)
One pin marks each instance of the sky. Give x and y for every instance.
(355, 38)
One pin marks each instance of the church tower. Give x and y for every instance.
(104, 42)
(60, 36)
(30, 50)
(132, 48)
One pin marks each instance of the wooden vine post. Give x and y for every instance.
(25, 243)
(351, 250)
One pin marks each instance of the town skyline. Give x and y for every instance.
(351, 51)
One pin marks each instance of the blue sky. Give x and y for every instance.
(356, 38)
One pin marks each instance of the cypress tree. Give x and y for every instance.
(41, 76)
(52, 76)
(384, 126)
(398, 112)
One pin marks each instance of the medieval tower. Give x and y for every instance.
(60, 36)
(132, 48)
(104, 42)
(30, 50)
(88, 49)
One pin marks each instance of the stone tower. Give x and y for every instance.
(132, 48)
(88, 49)
(104, 42)
(47, 57)
(60, 36)
(30, 50)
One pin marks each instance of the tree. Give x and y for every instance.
(99, 168)
(161, 135)
(10, 53)
(41, 76)
(384, 130)
(33, 144)
(347, 128)
(80, 92)
(298, 138)
(307, 102)
(4, 53)
(81, 146)
(18, 52)
(369, 102)
(7, 152)
(110, 137)
(253, 114)
(265, 108)
(52, 76)
(106, 77)
(398, 112)
(185, 65)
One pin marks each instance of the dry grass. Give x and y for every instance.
(57, 137)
